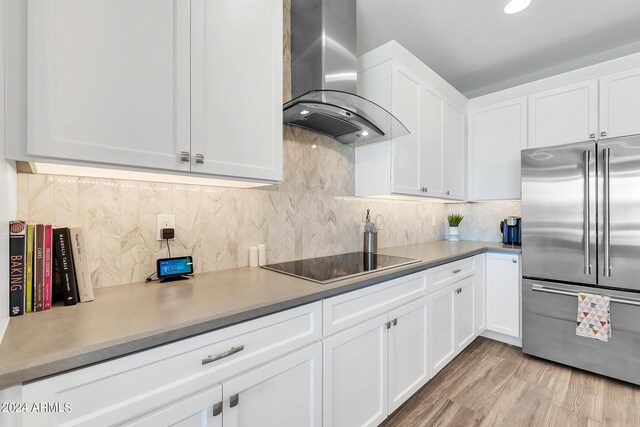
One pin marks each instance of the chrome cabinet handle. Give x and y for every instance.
(587, 214)
(395, 322)
(459, 291)
(592, 136)
(607, 214)
(388, 325)
(457, 270)
(448, 192)
(185, 156)
(200, 159)
(603, 134)
(220, 356)
(514, 260)
(217, 409)
(234, 400)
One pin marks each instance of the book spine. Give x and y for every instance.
(17, 267)
(81, 263)
(38, 269)
(48, 267)
(62, 249)
(29, 272)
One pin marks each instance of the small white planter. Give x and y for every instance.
(454, 234)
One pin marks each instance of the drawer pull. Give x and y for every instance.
(388, 324)
(459, 291)
(457, 270)
(395, 322)
(228, 353)
(233, 400)
(217, 409)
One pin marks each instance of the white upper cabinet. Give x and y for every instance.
(236, 88)
(430, 161)
(108, 81)
(454, 170)
(406, 150)
(432, 152)
(497, 133)
(620, 104)
(564, 115)
(173, 85)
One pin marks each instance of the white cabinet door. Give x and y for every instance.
(236, 88)
(355, 375)
(203, 409)
(464, 313)
(454, 161)
(503, 294)
(479, 281)
(620, 104)
(408, 351)
(431, 146)
(406, 151)
(441, 324)
(497, 133)
(108, 81)
(286, 392)
(564, 115)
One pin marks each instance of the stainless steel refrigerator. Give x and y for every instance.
(581, 232)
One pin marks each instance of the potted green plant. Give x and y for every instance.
(454, 222)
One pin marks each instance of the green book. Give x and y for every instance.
(29, 274)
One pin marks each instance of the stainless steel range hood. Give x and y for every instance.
(324, 76)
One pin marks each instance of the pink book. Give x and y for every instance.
(48, 265)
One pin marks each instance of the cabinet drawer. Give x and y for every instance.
(444, 275)
(132, 385)
(349, 309)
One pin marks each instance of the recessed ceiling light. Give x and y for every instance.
(304, 112)
(364, 133)
(516, 6)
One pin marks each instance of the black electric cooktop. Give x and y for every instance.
(337, 267)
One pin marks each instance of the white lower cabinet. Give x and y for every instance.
(355, 375)
(408, 351)
(452, 322)
(258, 361)
(371, 368)
(286, 392)
(503, 294)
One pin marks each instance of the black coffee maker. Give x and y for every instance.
(511, 229)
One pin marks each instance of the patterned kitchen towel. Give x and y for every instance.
(594, 317)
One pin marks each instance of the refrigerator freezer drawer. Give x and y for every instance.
(549, 330)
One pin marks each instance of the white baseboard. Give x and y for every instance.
(507, 339)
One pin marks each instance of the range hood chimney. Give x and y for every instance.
(324, 76)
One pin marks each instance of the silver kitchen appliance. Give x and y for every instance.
(329, 269)
(581, 233)
(324, 69)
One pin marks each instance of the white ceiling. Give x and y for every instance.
(478, 49)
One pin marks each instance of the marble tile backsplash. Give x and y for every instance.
(482, 220)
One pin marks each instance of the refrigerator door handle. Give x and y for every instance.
(544, 289)
(607, 213)
(587, 214)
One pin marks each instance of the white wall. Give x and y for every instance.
(8, 188)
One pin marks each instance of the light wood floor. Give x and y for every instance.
(494, 384)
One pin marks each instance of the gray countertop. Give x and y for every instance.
(128, 318)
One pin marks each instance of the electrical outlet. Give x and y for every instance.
(164, 221)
